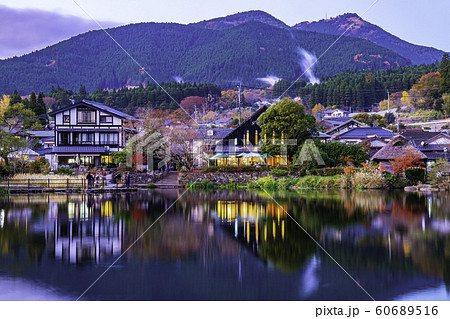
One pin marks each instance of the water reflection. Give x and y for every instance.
(394, 243)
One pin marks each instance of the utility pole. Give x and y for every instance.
(388, 100)
(239, 103)
(398, 124)
(195, 113)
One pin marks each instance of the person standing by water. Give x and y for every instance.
(127, 180)
(90, 179)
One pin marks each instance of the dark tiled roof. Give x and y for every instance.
(231, 149)
(78, 149)
(218, 133)
(436, 155)
(431, 147)
(224, 120)
(364, 132)
(338, 120)
(418, 136)
(96, 105)
(350, 121)
(41, 134)
(43, 151)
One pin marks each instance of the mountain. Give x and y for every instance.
(233, 20)
(364, 30)
(169, 52)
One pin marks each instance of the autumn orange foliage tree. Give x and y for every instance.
(400, 164)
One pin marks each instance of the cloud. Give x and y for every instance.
(25, 30)
(270, 79)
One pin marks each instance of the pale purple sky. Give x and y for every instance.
(27, 25)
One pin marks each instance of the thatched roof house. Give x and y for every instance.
(398, 147)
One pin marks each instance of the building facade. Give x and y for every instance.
(86, 133)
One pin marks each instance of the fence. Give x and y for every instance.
(50, 183)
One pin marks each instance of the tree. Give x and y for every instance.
(191, 104)
(210, 116)
(318, 108)
(41, 109)
(445, 74)
(33, 101)
(389, 117)
(286, 119)
(180, 141)
(9, 144)
(228, 98)
(410, 159)
(4, 103)
(335, 153)
(17, 117)
(446, 104)
(370, 119)
(15, 98)
(119, 156)
(405, 99)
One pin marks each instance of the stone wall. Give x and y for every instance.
(221, 178)
(144, 178)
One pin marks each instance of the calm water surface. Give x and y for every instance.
(225, 245)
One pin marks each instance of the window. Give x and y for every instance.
(105, 119)
(109, 138)
(63, 138)
(86, 116)
(87, 138)
(66, 118)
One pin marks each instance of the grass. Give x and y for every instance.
(306, 182)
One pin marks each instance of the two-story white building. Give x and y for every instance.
(86, 133)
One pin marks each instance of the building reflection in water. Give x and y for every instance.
(253, 222)
(77, 229)
(85, 231)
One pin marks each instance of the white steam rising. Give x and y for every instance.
(178, 78)
(307, 63)
(270, 79)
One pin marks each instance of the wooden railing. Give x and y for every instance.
(51, 183)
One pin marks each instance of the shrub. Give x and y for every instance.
(367, 180)
(328, 171)
(393, 181)
(349, 170)
(435, 174)
(265, 182)
(210, 169)
(319, 182)
(285, 183)
(40, 166)
(414, 175)
(278, 172)
(5, 171)
(62, 170)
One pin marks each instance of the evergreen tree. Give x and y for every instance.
(41, 109)
(32, 103)
(445, 74)
(15, 98)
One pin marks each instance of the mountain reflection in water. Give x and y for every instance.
(225, 245)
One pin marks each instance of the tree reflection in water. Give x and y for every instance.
(384, 233)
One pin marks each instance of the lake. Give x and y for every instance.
(225, 245)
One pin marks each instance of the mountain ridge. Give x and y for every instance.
(244, 47)
(359, 28)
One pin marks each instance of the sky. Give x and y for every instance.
(27, 25)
